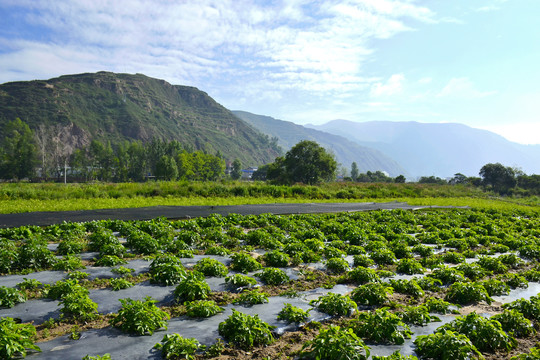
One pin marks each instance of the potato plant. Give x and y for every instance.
(174, 346)
(245, 331)
(446, 344)
(16, 340)
(381, 327)
(335, 342)
(211, 267)
(293, 314)
(202, 308)
(140, 317)
(335, 304)
(273, 276)
(192, 287)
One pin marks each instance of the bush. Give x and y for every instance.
(446, 345)
(335, 304)
(167, 270)
(202, 308)
(16, 339)
(529, 308)
(140, 317)
(485, 334)
(273, 276)
(211, 267)
(276, 258)
(371, 294)
(69, 263)
(409, 267)
(192, 287)
(252, 297)
(362, 275)
(294, 314)
(439, 306)
(407, 287)
(10, 296)
(337, 265)
(335, 343)
(417, 315)
(175, 346)
(244, 263)
(381, 327)
(515, 323)
(362, 260)
(78, 305)
(239, 280)
(245, 331)
(467, 293)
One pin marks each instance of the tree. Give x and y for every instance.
(166, 168)
(499, 177)
(309, 163)
(354, 171)
(18, 154)
(458, 178)
(236, 172)
(400, 179)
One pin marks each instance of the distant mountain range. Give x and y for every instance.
(346, 151)
(442, 149)
(118, 107)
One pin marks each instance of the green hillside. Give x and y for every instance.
(346, 151)
(117, 107)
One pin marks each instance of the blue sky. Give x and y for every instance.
(471, 62)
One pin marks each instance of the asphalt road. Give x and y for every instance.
(186, 212)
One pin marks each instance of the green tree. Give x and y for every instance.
(498, 177)
(236, 172)
(18, 154)
(166, 168)
(354, 171)
(400, 179)
(309, 163)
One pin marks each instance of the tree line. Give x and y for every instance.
(48, 154)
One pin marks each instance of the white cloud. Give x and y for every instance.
(393, 86)
(464, 88)
(520, 132)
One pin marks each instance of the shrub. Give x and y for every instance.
(276, 258)
(335, 343)
(29, 284)
(192, 287)
(10, 296)
(514, 322)
(61, 288)
(273, 276)
(467, 293)
(362, 260)
(239, 280)
(335, 304)
(202, 308)
(120, 284)
(371, 294)
(78, 305)
(211, 267)
(417, 315)
(69, 263)
(140, 317)
(217, 250)
(439, 306)
(337, 265)
(495, 287)
(409, 267)
(381, 326)
(245, 331)
(383, 256)
(529, 308)
(447, 275)
(244, 263)
(175, 346)
(252, 297)
(167, 270)
(362, 275)
(407, 287)
(110, 260)
(446, 345)
(294, 314)
(485, 334)
(16, 339)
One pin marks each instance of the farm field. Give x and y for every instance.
(424, 277)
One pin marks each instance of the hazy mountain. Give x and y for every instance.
(443, 149)
(346, 151)
(117, 107)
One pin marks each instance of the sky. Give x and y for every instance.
(471, 62)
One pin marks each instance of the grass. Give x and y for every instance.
(27, 197)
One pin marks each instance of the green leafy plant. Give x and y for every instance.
(514, 322)
(202, 308)
(245, 331)
(409, 266)
(485, 334)
(381, 326)
(293, 314)
(98, 357)
(335, 343)
(533, 354)
(467, 293)
(239, 280)
(252, 297)
(273, 276)
(407, 287)
(446, 345)
(383, 256)
(335, 304)
(16, 339)
(417, 315)
(122, 271)
(78, 305)
(362, 260)
(211, 267)
(68, 263)
(192, 287)
(78, 275)
(337, 265)
(140, 317)
(447, 275)
(167, 270)
(217, 250)
(529, 308)
(371, 294)
(63, 287)
(473, 272)
(29, 284)
(175, 346)
(120, 284)
(439, 306)
(215, 349)
(276, 258)
(110, 260)
(244, 263)
(395, 356)
(362, 275)
(495, 287)
(9, 297)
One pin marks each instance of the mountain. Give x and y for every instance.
(117, 107)
(442, 149)
(346, 151)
